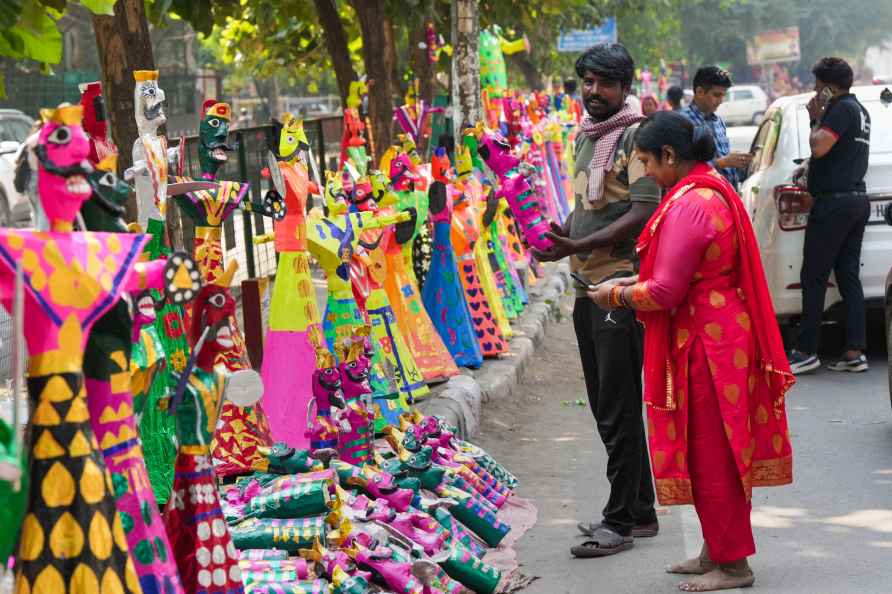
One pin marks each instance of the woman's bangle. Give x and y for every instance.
(616, 299)
(622, 298)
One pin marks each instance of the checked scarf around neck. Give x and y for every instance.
(605, 135)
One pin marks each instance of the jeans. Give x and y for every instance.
(833, 238)
(611, 353)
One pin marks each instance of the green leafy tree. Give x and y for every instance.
(29, 29)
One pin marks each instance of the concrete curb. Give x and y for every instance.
(460, 400)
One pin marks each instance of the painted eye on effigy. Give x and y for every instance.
(109, 180)
(217, 300)
(61, 135)
(214, 123)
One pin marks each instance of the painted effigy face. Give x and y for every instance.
(62, 150)
(326, 380)
(213, 308)
(212, 134)
(104, 211)
(402, 173)
(148, 102)
(292, 139)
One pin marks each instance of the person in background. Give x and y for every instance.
(649, 105)
(674, 97)
(715, 371)
(613, 200)
(711, 84)
(840, 147)
(571, 90)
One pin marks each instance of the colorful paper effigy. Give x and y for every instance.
(431, 355)
(96, 123)
(322, 425)
(288, 364)
(514, 187)
(72, 537)
(382, 320)
(202, 546)
(151, 155)
(333, 239)
(443, 293)
(108, 387)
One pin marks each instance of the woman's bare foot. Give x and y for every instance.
(697, 566)
(720, 578)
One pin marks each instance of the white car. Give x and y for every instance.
(779, 210)
(15, 211)
(744, 104)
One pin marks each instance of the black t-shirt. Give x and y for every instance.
(842, 169)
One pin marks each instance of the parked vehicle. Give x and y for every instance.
(15, 211)
(744, 104)
(779, 210)
(887, 301)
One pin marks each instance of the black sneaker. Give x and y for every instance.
(856, 365)
(802, 363)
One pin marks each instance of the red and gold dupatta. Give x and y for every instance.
(658, 389)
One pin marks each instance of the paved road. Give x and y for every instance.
(828, 533)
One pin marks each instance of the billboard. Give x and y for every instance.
(770, 47)
(578, 40)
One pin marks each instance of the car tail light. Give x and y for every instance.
(793, 205)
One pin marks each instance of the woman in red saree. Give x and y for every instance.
(715, 372)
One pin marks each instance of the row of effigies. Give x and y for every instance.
(156, 461)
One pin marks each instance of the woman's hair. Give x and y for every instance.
(669, 128)
(834, 71)
(610, 60)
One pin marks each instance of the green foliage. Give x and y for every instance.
(29, 30)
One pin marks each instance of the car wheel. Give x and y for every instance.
(889, 347)
(5, 212)
(757, 117)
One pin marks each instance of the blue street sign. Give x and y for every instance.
(577, 40)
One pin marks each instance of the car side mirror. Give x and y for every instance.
(887, 214)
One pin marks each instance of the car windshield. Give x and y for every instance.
(14, 129)
(880, 126)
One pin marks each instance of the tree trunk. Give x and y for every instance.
(124, 45)
(422, 68)
(531, 74)
(391, 57)
(371, 16)
(466, 103)
(336, 40)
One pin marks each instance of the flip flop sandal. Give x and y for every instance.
(639, 531)
(604, 542)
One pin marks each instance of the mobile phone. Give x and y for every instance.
(826, 95)
(582, 281)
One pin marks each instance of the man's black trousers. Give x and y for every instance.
(833, 238)
(611, 352)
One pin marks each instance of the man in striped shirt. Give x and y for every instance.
(711, 84)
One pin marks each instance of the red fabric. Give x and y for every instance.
(199, 537)
(719, 499)
(752, 280)
(718, 298)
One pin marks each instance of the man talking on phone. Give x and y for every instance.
(711, 85)
(840, 147)
(614, 199)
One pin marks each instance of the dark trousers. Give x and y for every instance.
(611, 352)
(833, 238)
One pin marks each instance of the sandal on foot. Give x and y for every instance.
(639, 531)
(604, 542)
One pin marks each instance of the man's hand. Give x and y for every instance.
(734, 160)
(815, 107)
(563, 245)
(601, 295)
